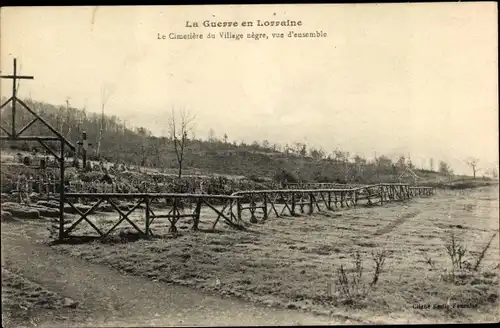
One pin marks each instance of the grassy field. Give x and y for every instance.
(309, 262)
(22, 297)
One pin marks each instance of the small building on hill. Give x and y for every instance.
(408, 174)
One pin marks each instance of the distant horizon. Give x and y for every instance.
(395, 79)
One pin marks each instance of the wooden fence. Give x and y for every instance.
(178, 210)
(294, 201)
(259, 204)
(321, 185)
(421, 191)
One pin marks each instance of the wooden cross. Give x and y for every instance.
(14, 78)
(85, 146)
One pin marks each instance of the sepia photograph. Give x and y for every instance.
(249, 165)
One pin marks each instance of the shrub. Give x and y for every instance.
(27, 160)
(483, 253)
(24, 146)
(91, 176)
(285, 177)
(340, 180)
(256, 178)
(321, 178)
(88, 167)
(456, 251)
(460, 266)
(355, 289)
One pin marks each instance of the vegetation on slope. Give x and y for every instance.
(137, 146)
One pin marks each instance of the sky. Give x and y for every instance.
(395, 79)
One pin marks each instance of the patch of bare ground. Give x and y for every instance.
(310, 263)
(22, 299)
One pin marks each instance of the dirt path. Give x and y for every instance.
(108, 298)
(392, 225)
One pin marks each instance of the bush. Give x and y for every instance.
(27, 160)
(340, 180)
(460, 266)
(91, 176)
(24, 146)
(355, 289)
(7, 186)
(92, 157)
(88, 167)
(285, 177)
(256, 178)
(321, 178)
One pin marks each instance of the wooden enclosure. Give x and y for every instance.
(307, 201)
(233, 209)
(178, 204)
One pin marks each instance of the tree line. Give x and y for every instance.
(114, 140)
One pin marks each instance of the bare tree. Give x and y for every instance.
(303, 150)
(360, 161)
(340, 156)
(211, 135)
(445, 168)
(401, 163)
(145, 141)
(265, 144)
(157, 143)
(68, 116)
(409, 163)
(104, 99)
(493, 173)
(472, 162)
(178, 133)
(316, 154)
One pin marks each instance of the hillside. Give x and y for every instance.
(137, 146)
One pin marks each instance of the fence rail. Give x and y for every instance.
(177, 204)
(323, 185)
(293, 201)
(232, 209)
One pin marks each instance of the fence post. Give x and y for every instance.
(329, 201)
(61, 193)
(253, 207)
(147, 200)
(196, 218)
(265, 206)
(231, 213)
(238, 209)
(311, 207)
(293, 204)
